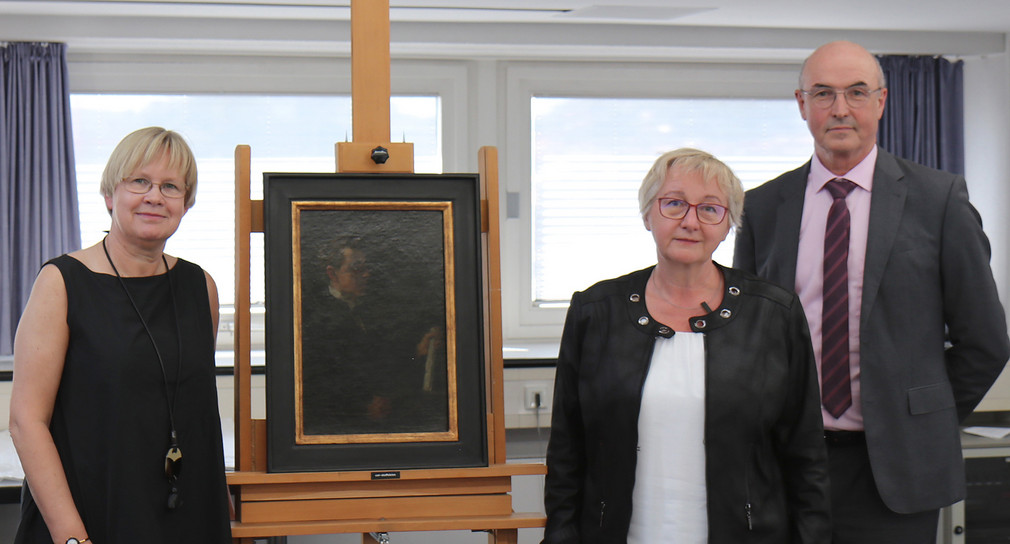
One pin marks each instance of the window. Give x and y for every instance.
(580, 138)
(589, 156)
(287, 133)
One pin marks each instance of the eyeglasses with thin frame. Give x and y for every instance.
(169, 189)
(856, 96)
(708, 213)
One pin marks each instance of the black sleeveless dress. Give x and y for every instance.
(111, 420)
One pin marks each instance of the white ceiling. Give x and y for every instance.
(933, 15)
(636, 29)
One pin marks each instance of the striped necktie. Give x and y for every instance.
(836, 392)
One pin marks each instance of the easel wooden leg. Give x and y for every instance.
(503, 536)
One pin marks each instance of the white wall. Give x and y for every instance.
(474, 66)
(471, 61)
(987, 169)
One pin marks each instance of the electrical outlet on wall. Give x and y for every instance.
(536, 398)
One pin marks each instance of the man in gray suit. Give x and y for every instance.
(925, 331)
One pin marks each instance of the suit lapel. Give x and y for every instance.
(886, 205)
(789, 215)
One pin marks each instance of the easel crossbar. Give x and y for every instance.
(516, 520)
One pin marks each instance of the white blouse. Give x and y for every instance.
(669, 499)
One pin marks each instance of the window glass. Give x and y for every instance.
(285, 133)
(589, 156)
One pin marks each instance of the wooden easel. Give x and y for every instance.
(280, 504)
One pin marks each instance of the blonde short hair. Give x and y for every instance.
(693, 160)
(140, 148)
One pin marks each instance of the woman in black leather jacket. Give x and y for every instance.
(686, 405)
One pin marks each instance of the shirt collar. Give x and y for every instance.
(335, 293)
(861, 174)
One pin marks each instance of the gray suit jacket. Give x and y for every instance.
(933, 334)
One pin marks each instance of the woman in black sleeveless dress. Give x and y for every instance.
(114, 407)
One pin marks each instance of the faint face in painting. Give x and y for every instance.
(351, 277)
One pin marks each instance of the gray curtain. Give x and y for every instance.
(924, 118)
(38, 185)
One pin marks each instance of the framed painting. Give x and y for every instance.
(374, 322)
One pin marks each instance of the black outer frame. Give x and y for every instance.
(284, 455)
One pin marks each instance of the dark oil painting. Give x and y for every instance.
(374, 322)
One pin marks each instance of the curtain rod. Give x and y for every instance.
(43, 44)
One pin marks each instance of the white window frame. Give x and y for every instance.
(539, 328)
(253, 74)
(180, 74)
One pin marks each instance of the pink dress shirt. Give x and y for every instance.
(810, 271)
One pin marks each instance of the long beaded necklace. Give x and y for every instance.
(173, 458)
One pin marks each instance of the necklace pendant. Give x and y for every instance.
(173, 462)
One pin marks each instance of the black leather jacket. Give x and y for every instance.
(766, 463)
